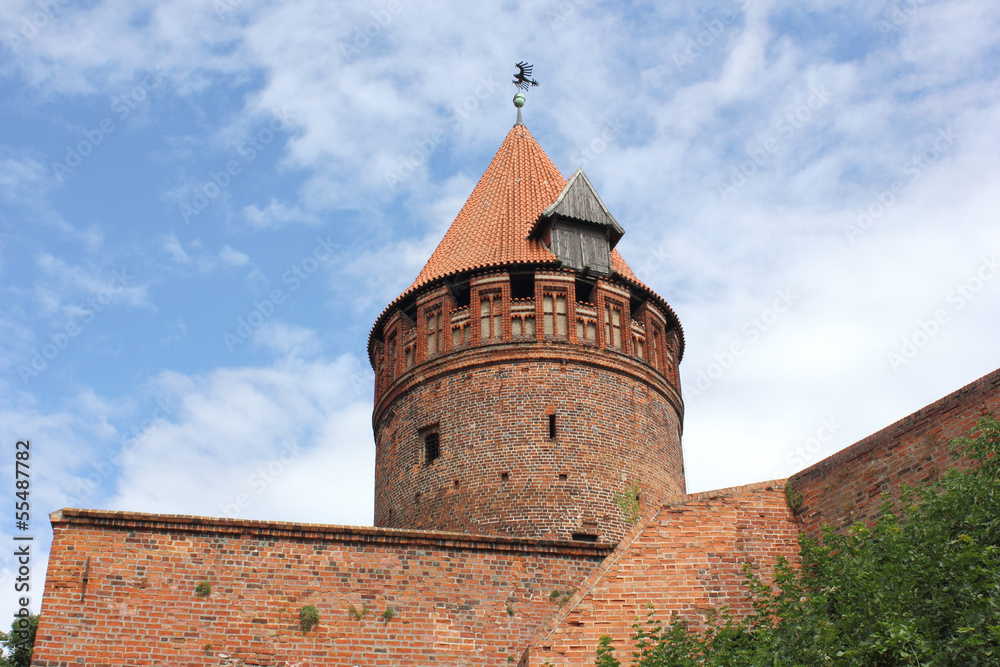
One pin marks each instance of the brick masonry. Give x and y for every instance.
(499, 472)
(847, 487)
(493, 399)
(684, 558)
(120, 591)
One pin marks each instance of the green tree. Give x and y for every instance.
(18, 643)
(920, 587)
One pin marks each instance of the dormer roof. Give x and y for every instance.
(579, 201)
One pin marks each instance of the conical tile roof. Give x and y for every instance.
(492, 228)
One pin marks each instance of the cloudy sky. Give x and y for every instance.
(204, 204)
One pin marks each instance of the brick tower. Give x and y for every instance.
(526, 377)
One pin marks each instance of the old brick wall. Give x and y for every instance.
(685, 557)
(120, 591)
(499, 472)
(847, 487)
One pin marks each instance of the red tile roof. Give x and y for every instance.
(492, 228)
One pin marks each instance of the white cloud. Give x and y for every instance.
(277, 214)
(172, 246)
(68, 281)
(281, 442)
(232, 257)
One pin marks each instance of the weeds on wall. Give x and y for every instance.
(628, 502)
(792, 497)
(308, 617)
(357, 614)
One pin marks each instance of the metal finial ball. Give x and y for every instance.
(519, 100)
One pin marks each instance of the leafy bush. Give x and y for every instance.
(920, 587)
(16, 646)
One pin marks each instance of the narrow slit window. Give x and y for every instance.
(552, 427)
(432, 447)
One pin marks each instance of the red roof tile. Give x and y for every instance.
(493, 225)
(492, 228)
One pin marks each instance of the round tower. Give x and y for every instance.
(526, 383)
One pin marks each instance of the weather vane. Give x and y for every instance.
(523, 77)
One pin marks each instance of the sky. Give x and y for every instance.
(205, 204)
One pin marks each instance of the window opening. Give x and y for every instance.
(522, 286)
(613, 326)
(552, 427)
(654, 350)
(561, 315)
(434, 340)
(432, 447)
(462, 295)
(490, 317)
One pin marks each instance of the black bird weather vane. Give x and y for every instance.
(523, 77)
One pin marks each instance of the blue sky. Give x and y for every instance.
(813, 186)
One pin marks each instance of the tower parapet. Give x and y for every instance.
(526, 378)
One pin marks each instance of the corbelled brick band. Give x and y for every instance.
(121, 587)
(847, 487)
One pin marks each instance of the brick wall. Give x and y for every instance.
(120, 591)
(499, 472)
(847, 487)
(685, 557)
